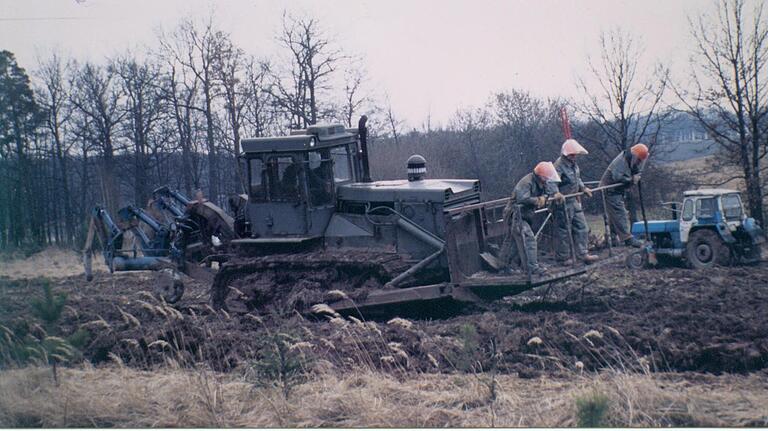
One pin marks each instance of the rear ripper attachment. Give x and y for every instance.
(173, 235)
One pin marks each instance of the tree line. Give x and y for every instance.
(74, 134)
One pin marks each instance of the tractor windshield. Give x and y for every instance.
(706, 208)
(732, 207)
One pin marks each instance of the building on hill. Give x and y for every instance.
(683, 138)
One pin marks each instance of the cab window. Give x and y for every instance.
(688, 210)
(705, 208)
(342, 170)
(283, 174)
(732, 207)
(319, 177)
(256, 177)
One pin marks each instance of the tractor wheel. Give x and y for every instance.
(705, 249)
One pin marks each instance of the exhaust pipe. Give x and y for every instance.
(363, 131)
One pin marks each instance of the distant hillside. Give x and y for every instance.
(703, 175)
(683, 138)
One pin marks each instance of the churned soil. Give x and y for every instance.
(670, 319)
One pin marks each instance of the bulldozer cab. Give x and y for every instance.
(293, 179)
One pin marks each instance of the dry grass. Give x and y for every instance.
(52, 262)
(173, 397)
(701, 169)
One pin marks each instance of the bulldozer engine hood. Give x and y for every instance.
(448, 192)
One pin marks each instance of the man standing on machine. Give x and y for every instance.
(530, 193)
(624, 170)
(572, 228)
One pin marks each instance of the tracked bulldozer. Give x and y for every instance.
(314, 228)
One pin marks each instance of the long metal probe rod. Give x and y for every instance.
(642, 208)
(503, 201)
(608, 239)
(598, 189)
(544, 223)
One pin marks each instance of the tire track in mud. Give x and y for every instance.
(669, 319)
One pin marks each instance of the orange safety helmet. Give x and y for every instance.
(572, 147)
(547, 171)
(640, 151)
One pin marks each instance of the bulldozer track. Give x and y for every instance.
(282, 283)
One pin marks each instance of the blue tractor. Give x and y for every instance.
(711, 229)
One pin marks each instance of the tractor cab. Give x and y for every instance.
(718, 208)
(712, 228)
(292, 180)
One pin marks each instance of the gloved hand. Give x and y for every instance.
(635, 179)
(541, 201)
(559, 197)
(588, 192)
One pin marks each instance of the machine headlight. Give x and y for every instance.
(311, 142)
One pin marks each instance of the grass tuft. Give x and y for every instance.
(591, 410)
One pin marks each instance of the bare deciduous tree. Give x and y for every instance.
(97, 98)
(626, 108)
(53, 95)
(180, 92)
(259, 116)
(313, 60)
(520, 116)
(144, 109)
(727, 93)
(229, 66)
(394, 124)
(196, 48)
(472, 125)
(354, 97)
(527, 132)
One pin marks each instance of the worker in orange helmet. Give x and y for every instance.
(571, 212)
(530, 193)
(624, 170)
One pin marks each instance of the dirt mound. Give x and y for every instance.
(669, 319)
(51, 262)
(284, 283)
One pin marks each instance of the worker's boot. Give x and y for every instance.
(539, 271)
(633, 242)
(589, 258)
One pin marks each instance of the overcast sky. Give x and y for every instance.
(430, 57)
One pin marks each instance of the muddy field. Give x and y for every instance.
(671, 319)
